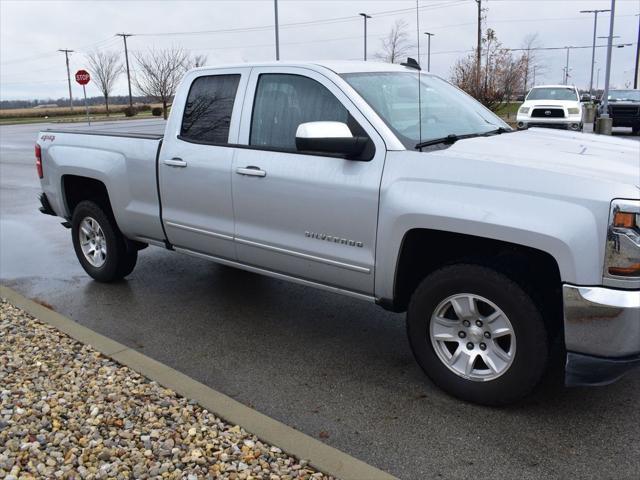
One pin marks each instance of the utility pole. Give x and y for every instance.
(66, 56)
(605, 123)
(126, 59)
(566, 67)
(275, 11)
(429, 35)
(365, 16)
(479, 48)
(593, 51)
(636, 76)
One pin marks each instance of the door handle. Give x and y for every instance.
(251, 171)
(175, 162)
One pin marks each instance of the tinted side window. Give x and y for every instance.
(284, 101)
(207, 113)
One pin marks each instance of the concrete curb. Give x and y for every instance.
(321, 456)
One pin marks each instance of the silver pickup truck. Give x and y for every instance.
(507, 249)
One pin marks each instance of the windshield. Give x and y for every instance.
(552, 93)
(626, 95)
(446, 110)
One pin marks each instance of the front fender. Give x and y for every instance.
(571, 230)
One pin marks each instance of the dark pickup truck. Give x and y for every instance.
(624, 109)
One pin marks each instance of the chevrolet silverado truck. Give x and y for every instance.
(506, 248)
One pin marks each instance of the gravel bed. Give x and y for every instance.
(66, 411)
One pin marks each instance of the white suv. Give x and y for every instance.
(556, 106)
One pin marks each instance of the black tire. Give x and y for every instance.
(532, 352)
(121, 256)
(635, 130)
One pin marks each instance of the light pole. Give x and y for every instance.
(636, 79)
(604, 122)
(429, 35)
(365, 16)
(593, 51)
(275, 11)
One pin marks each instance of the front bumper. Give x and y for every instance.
(570, 123)
(626, 122)
(602, 334)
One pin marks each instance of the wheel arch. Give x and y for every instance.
(76, 188)
(535, 270)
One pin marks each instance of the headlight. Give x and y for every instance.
(573, 111)
(622, 259)
(523, 110)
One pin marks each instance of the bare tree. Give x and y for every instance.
(197, 61)
(159, 73)
(396, 46)
(530, 59)
(105, 68)
(502, 73)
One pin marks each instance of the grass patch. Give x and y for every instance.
(508, 110)
(65, 114)
(77, 118)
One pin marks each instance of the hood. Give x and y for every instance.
(596, 157)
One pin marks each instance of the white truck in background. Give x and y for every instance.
(553, 106)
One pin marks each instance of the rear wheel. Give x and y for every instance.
(104, 253)
(477, 334)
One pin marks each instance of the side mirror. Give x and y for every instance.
(329, 137)
(585, 98)
(520, 98)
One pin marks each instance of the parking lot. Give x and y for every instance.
(328, 365)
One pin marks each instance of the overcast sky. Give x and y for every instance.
(32, 31)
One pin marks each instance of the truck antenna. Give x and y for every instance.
(418, 73)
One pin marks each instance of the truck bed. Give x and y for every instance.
(124, 161)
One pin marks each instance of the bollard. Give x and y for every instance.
(589, 113)
(604, 125)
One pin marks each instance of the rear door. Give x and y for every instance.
(306, 215)
(195, 163)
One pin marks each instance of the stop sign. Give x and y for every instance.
(82, 77)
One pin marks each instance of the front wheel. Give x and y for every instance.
(477, 334)
(104, 253)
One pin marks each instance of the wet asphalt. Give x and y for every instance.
(314, 360)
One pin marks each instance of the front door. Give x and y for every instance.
(309, 216)
(195, 164)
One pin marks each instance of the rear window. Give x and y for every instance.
(207, 114)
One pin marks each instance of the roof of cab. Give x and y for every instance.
(337, 66)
